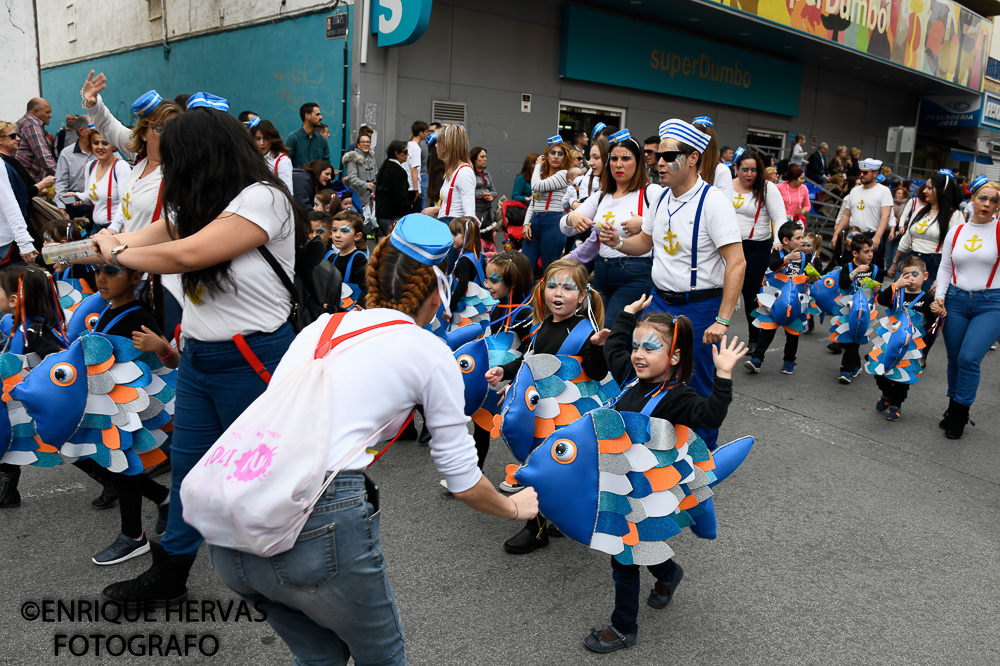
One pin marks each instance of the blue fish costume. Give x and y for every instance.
(85, 316)
(826, 291)
(482, 401)
(624, 483)
(784, 301)
(549, 392)
(898, 344)
(854, 322)
(100, 399)
(471, 317)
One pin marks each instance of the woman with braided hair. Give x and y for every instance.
(337, 566)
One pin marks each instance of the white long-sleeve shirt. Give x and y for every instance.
(608, 212)
(546, 193)
(111, 128)
(393, 370)
(772, 214)
(923, 234)
(282, 168)
(724, 179)
(969, 265)
(458, 193)
(97, 190)
(12, 225)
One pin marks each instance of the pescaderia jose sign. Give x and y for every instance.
(664, 61)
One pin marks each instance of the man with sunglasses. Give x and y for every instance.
(698, 262)
(867, 207)
(649, 155)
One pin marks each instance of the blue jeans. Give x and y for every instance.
(627, 589)
(622, 281)
(329, 597)
(214, 385)
(423, 191)
(702, 315)
(546, 240)
(972, 325)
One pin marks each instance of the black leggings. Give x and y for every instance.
(757, 254)
(131, 490)
(894, 392)
(482, 439)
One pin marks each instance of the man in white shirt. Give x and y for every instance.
(868, 207)
(698, 261)
(71, 168)
(418, 132)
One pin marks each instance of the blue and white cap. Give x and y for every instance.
(146, 103)
(947, 172)
(597, 129)
(554, 140)
(431, 138)
(423, 238)
(880, 178)
(208, 100)
(681, 130)
(90, 126)
(252, 123)
(703, 120)
(737, 154)
(619, 136)
(978, 182)
(870, 164)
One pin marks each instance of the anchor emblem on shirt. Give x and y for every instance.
(93, 191)
(861, 205)
(921, 227)
(973, 243)
(125, 204)
(609, 218)
(738, 200)
(671, 246)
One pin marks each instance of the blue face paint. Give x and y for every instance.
(651, 343)
(494, 278)
(566, 282)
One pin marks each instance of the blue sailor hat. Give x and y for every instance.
(681, 130)
(978, 182)
(619, 136)
(738, 154)
(208, 100)
(431, 138)
(146, 103)
(252, 123)
(703, 120)
(423, 238)
(597, 129)
(947, 172)
(553, 140)
(90, 126)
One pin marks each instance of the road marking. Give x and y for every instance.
(48, 492)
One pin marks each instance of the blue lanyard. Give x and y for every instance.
(104, 329)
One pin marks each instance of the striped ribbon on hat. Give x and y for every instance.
(738, 154)
(619, 136)
(683, 131)
(703, 120)
(554, 140)
(252, 123)
(146, 102)
(597, 129)
(947, 172)
(978, 182)
(208, 100)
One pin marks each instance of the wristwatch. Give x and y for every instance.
(115, 252)
(618, 246)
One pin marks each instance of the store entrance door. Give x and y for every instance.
(583, 116)
(767, 142)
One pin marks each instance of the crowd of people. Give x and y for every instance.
(629, 253)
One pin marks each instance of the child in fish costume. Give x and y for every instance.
(852, 326)
(899, 341)
(625, 480)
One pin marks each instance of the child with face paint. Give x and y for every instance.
(568, 318)
(468, 266)
(652, 360)
(347, 234)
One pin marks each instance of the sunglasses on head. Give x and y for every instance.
(113, 271)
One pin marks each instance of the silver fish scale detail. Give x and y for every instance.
(101, 383)
(638, 512)
(662, 435)
(543, 365)
(614, 463)
(647, 553)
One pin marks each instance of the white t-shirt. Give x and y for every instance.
(281, 166)
(670, 223)
(412, 162)
(610, 212)
(866, 205)
(378, 374)
(923, 234)
(256, 301)
(138, 199)
(463, 200)
(12, 224)
(724, 179)
(974, 257)
(772, 214)
(97, 190)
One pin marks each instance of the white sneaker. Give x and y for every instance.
(510, 488)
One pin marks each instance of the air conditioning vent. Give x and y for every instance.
(452, 113)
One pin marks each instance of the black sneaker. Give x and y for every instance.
(107, 499)
(124, 548)
(162, 512)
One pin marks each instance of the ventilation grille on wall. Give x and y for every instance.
(448, 112)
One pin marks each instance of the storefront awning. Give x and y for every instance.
(968, 156)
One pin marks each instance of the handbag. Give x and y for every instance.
(256, 486)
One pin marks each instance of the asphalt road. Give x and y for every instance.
(844, 539)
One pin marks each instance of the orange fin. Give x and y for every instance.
(510, 474)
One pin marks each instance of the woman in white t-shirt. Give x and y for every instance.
(712, 171)
(624, 196)
(927, 227)
(275, 152)
(105, 178)
(458, 190)
(760, 213)
(224, 209)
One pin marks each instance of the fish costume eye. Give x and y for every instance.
(564, 451)
(466, 363)
(531, 398)
(828, 282)
(63, 374)
(91, 321)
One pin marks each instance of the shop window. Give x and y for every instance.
(583, 116)
(767, 142)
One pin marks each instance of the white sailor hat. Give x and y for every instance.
(619, 136)
(978, 182)
(431, 138)
(208, 100)
(252, 123)
(681, 130)
(147, 101)
(553, 140)
(703, 120)
(422, 238)
(870, 164)
(597, 129)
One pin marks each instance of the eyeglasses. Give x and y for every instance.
(669, 156)
(363, 142)
(12, 135)
(557, 153)
(113, 271)
(404, 152)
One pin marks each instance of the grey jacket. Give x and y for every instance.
(359, 170)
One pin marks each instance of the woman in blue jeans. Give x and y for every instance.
(329, 597)
(624, 196)
(542, 238)
(231, 297)
(968, 292)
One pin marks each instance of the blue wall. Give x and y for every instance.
(272, 69)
